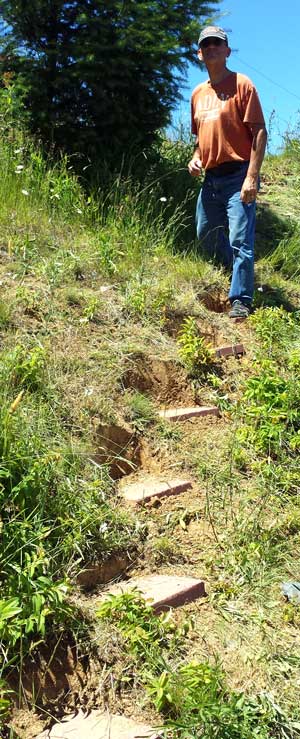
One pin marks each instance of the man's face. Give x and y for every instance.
(213, 50)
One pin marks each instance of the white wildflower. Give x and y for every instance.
(19, 168)
(78, 210)
(103, 527)
(24, 192)
(163, 199)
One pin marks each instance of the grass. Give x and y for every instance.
(91, 282)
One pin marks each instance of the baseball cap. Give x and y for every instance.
(212, 32)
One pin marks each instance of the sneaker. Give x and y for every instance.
(239, 310)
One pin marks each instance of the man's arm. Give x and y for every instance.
(195, 164)
(250, 184)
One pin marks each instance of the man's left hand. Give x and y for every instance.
(249, 189)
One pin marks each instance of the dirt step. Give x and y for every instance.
(140, 491)
(96, 725)
(232, 350)
(164, 591)
(181, 414)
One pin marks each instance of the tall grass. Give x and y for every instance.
(286, 256)
(58, 510)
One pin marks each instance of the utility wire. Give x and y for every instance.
(269, 79)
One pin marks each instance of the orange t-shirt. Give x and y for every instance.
(219, 115)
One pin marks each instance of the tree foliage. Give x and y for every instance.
(100, 75)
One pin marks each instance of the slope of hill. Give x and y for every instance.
(105, 323)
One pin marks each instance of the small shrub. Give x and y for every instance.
(272, 403)
(196, 355)
(32, 302)
(149, 302)
(146, 633)
(275, 328)
(91, 309)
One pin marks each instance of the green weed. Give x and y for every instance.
(147, 635)
(198, 704)
(4, 699)
(5, 314)
(272, 403)
(164, 549)
(33, 302)
(168, 431)
(194, 698)
(148, 301)
(276, 330)
(140, 411)
(25, 367)
(91, 310)
(196, 355)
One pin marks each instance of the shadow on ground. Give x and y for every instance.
(266, 295)
(270, 230)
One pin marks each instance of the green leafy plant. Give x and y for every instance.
(136, 300)
(196, 355)
(146, 633)
(276, 329)
(198, 705)
(272, 403)
(90, 310)
(27, 366)
(4, 700)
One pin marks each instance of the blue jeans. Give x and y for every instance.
(220, 211)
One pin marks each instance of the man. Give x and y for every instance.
(231, 138)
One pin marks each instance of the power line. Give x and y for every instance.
(269, 79)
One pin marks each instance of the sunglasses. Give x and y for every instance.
(212, 40)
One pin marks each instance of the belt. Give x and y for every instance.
(226, 168)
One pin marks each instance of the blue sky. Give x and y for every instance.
(265, 42)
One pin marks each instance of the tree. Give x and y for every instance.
(100, 76)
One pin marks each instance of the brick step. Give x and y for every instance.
(142, 490)
(164, 591)
(232, 350)
(181, 414)
(98, 725)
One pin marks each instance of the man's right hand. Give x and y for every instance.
(195, 167)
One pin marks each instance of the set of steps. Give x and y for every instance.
(99, 725)
(163, 591)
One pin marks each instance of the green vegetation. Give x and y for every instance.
(193, 698)
(196, 355)
(141, 411)
(101, 295)
(75, 105)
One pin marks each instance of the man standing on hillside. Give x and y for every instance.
(231, 138)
